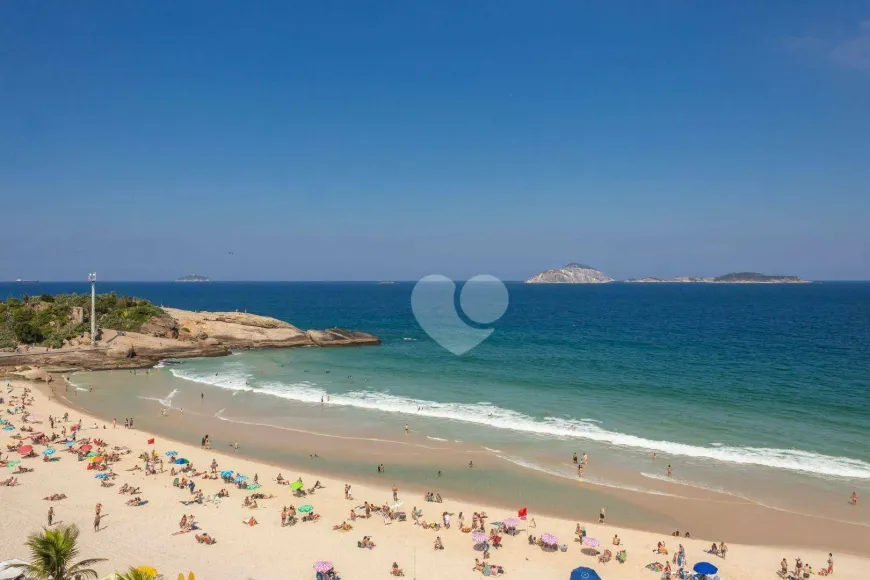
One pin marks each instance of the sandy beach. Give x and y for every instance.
(147, 535)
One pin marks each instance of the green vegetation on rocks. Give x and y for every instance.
(48, 320)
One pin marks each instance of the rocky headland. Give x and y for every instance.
(174, 333)
(732, 278)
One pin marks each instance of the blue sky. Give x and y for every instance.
(390, 139)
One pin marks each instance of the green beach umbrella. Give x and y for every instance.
(306, 508)
(253, 486)
(92, 454)
(297, 485)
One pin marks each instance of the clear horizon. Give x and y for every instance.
(385, 141)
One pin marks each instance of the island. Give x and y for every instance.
(52, 333)
(572, 273)
(732, 278)
(193, 278)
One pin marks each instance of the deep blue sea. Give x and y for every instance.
(764, 381)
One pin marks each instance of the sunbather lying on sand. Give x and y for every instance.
(205, 539)
(366, 542)
(343, 527)
(55, 497)
(136, 501)
(11, 482)
(396, 571)
(251, 522)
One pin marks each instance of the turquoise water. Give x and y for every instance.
(759, 391)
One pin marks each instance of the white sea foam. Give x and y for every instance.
(489, 415)
(493, 450)
(435, 438)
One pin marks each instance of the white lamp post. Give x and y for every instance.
(92, 278)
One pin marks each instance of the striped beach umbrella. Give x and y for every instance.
(549, 539)
(479, 537)
(511, 522)
(322, 566)
(591, 542)
(306, 508)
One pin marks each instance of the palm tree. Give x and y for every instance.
(52, 553)
(135, 574)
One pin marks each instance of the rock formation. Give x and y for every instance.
(178, 334)
(571, 274)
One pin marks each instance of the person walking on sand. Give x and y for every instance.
(50, 515)
(97, 522)
(854, 498)
(406, 428)
(395, 493)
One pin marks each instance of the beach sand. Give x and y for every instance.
(145, 535)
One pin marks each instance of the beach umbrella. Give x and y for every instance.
(511, 522)
(85, 448)
(705, 568)
(479, 537)
(49, 451)
(241, 477)
(549, 539)
(25, 449)
(591, 542)
(253, 486)
(147, 570)
(13, 463)
(181, 461)
(70, 443)
(322, 566)
(583, 573)
(9, 428)
(97, 459)
(297, 485)
(171, 453)
(306, 508)
(102, 476)
(226, 473)
(92, 454)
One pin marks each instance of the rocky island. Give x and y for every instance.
(732, 278)
(51, 333)
(572, 273)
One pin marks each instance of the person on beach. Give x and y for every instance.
(830, 569)
(126, 423)
(602, 515)
(50, 515)
(723, 549)
(854, 498)
(575, 458)
(470, 464)
(406, 428)
(395, 493)
(670, 471)
(784, 568)
(585, 459)
(97, 522)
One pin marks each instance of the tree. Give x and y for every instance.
(52, 553)
(27, 333)
(140, 573)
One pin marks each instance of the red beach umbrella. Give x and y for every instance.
(25, 449)
(86, 448)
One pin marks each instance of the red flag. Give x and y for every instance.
(151, 442)
(523, 513)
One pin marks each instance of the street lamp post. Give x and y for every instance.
(92, 278)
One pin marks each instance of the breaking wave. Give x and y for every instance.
(489, 415)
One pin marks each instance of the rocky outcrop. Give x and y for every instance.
(571, 274)
(180, 334)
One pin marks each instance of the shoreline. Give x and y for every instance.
(664, 512)
(135, 535)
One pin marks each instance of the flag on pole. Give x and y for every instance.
(522, 513)
(151, 441)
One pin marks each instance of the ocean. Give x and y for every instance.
(755, 392)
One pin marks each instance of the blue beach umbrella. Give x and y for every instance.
(9, 428)
(226, 473)
(70, 443)
(241, 477)
(48, 451)
(102, 476)
(583, 573)
(181, 461)
(705, 568)
(171, 453)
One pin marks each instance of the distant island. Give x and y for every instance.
(732, 278)
(572, 273)
(193, 278)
